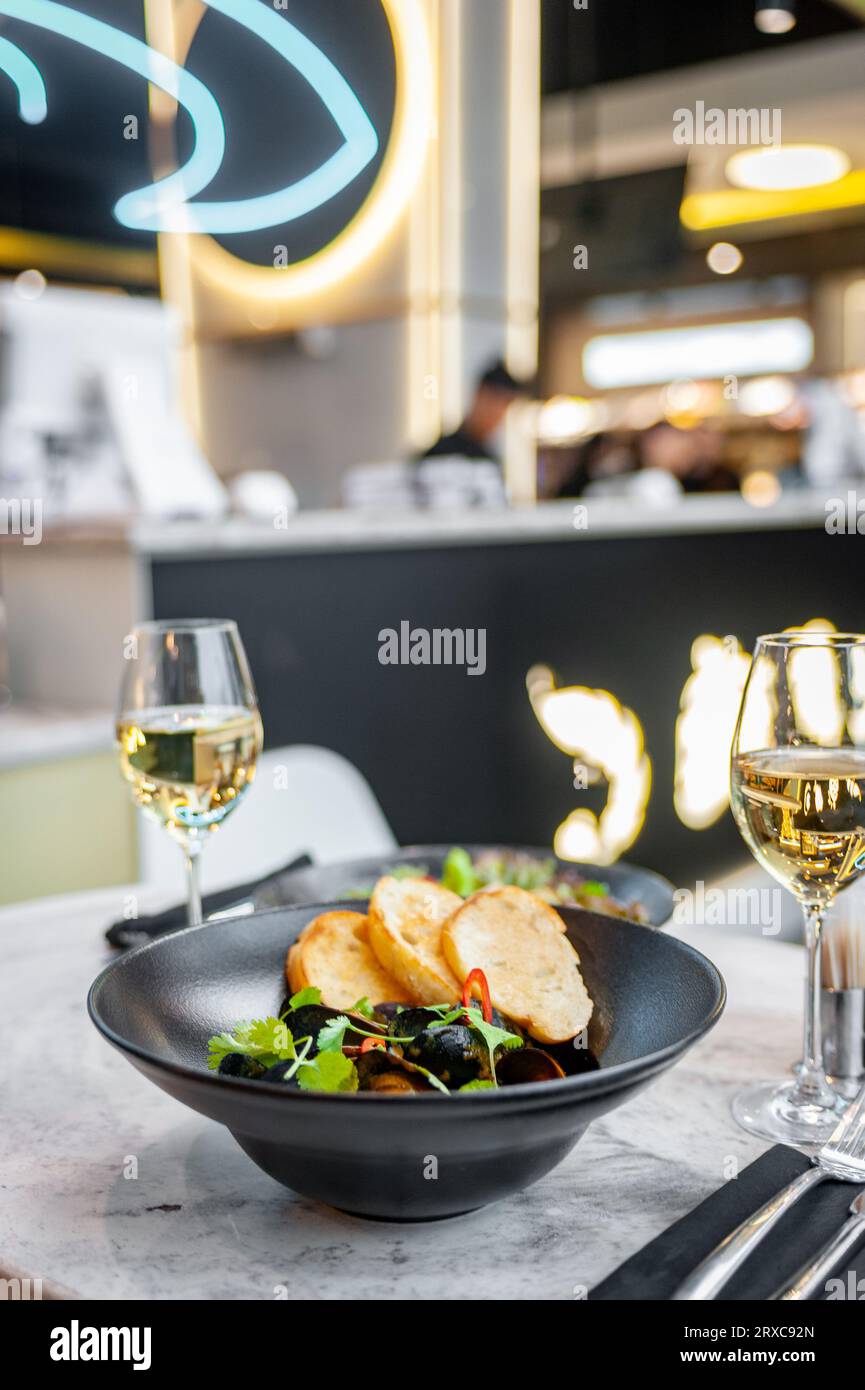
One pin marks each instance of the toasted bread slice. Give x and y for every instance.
(405, 922)
(294, 970)
(531, 967)
(334, 955)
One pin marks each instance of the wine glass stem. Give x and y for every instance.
(812, 1077)
(193, 879)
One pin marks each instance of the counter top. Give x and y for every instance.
(344, 530)
(549, 521)
(112, 1190)
(41, 734)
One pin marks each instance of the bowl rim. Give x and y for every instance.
(600, 1082)
(660, 881)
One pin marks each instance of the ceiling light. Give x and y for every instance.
(710, 351)
(724, 258)
(779, 17)
(766, 395)
(787, 166)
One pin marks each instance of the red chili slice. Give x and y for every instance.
(477, 977)
(369, 1043)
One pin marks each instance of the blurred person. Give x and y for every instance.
(833, 443)
(693, 457)
(475, 438)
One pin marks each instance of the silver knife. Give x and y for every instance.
(812, 1279)
(842, 1157)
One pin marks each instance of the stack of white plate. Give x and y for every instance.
(386, 486)
(447, 484)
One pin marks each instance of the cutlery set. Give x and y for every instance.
(841, 1159)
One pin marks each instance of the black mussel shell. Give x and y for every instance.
(309, 1019)
(238, 1064)
(525, 1064)
(385, 1012)
(572, 1060)
(387, 1074)
(412, 1021)
(277, 1073)
(454, 1054)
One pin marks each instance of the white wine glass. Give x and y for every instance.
(188, 730)
(797, 785)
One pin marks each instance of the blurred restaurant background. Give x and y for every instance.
(576, 360)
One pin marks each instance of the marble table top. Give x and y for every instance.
(112, 1190)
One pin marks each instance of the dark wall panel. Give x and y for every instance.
(458, 757)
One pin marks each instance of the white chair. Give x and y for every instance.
(303, 799)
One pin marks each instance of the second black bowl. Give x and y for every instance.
(408, 1157)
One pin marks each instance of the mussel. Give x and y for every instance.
(277, 1073)
(388, 1074)
(411, 1021)
(454, 1054)
(527, 1064)
(309, 1019)
(238, 1064)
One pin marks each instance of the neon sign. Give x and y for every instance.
(164, 206)
(594, 729)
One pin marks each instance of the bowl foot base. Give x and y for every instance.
(408, 1220)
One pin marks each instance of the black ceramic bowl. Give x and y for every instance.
(398, 1157)
(318, 883)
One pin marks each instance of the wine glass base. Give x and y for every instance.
(769, 1111)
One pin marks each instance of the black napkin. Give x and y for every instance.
(262, 891)
(658, 1269)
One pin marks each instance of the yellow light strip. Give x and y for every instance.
(524, 183)
(728, 207)
(68, 256)
(523, 235)
(451, 211)
(424, 387)
(175, 263)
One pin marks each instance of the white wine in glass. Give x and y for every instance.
(188, 731)
(798, 796)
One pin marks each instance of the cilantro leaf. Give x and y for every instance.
(310, 995)
(478, 1085)
(331, 1037)
(362, 1007)
(267, 1039)
(329, 1071)
(493, 1037)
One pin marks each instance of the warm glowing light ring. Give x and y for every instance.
(150, 212)
(122, 48)
(374, 221)
(23, 72)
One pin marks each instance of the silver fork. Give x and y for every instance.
(842, 1157)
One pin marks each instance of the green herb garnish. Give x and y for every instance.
(267, 1040)
(329, 1071)
(310, 995)
(493, 1037)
